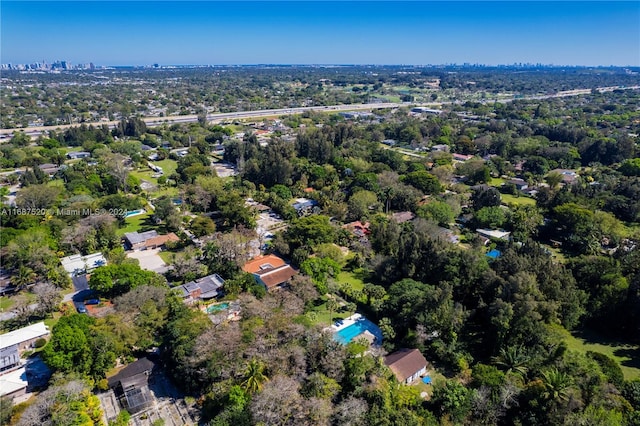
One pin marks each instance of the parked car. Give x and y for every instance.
(92, 302)
(81, 309)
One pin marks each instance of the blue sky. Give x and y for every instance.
(243, 32)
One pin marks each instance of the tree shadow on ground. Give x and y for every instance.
(633, 355)
(594, 337)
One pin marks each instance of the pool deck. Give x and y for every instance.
(345, 323)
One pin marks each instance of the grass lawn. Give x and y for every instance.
(321, 314)
(521, 200)
(168, 166)
(134, 223)
(557, 254)
(354, 278)
(144, 173)
(166, 256)
(627, 355)
(497, 182)
(5, 303)
(50, 322)
(390, 98)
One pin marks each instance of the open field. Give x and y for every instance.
(627, 355)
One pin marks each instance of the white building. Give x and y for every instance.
(79, 264)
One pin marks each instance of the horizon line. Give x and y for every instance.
(329, 64)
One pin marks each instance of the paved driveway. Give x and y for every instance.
(149, 260)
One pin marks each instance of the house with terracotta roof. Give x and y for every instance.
(407, 365)
(271, 271)
(148, 240)
(358, 228)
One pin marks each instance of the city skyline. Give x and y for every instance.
(374, 33)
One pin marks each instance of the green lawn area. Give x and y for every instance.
(351, 277)
(521, 200)
(5, 303)
(50, 322)
(627, 355)
(166, 256)
(497, 182)
(320, 314)
(134, 223)
(390, 98)
(168, 166)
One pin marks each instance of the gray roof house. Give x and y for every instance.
(78, 154)
(131, 385)
(201, 289)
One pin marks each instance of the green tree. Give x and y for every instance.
(373, 291)
(630, 167)
(122, 419)
(320, 270)
(331, 305)
(362, 204)
(513, 359)
(6, 409)
(318, 385)
(69, 349)
(113, 280)
(556, 385)
(254, 376)
(438, 211)
(485, 196)
(490, 217)
(453, 399)
(70, 403)
(424, 181)
(310, 231)
(553, 179)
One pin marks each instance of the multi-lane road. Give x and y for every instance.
(34, 132)
(213, 118)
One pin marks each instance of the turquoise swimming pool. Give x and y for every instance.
(494, 254)
(347, 334)
(134, 212)
(214, 309)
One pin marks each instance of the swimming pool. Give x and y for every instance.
(217, 308)
(134, 212)
(494, 254)
(347, 334)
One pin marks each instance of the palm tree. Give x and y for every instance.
(556, 385)
(254, 376)
(513, 359)
(23, 277)
(331, 305)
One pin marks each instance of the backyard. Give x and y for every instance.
(135, 223)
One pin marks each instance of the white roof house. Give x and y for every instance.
(494, 233)
(13, 382)
(21, 335)
(79, 264)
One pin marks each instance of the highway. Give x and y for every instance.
(34, 132)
